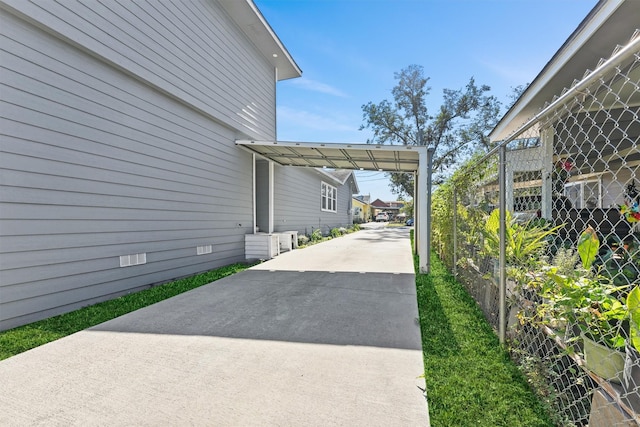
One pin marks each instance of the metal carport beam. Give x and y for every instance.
(387, 158)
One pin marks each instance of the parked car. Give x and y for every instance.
(409, 221)
(382, 217)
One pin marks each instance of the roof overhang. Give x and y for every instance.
(327, 174)
(387, 158)
(610, 23)
(246, 14)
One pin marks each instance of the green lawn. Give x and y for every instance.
(26, 337)
(471, 381)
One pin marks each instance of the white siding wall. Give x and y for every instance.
(297, 201)
(119, 140)
(188, 49)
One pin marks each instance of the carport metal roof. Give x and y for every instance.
(387, 158)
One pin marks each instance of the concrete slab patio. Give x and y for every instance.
(323, 336)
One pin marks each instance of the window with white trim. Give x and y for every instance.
(584, 194)
(328, 198)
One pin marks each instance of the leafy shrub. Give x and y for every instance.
(343, 230)
(316, 235)
(303, 240)
(335, 232)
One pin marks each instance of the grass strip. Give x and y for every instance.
(23, 338)
(471, 381)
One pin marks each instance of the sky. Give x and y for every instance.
(349, 50)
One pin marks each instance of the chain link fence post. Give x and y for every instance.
(503, 257)
(455, 232)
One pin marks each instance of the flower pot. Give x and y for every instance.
(631, 379)
(603, 361)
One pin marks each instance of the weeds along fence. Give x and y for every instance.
(546, 238)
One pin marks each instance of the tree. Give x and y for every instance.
(459, 127)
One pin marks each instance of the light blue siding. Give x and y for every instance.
(117, 129)
(297, 201)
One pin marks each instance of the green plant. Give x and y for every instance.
(621, 263)
(633, 307)
(335, 232)
(316, 235)
(565, 260)
(303, 240)
(584, 297)
(525, 242)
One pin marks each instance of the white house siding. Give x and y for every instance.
(601, 143)
(117, 123)
(297, 201)
(188, 49)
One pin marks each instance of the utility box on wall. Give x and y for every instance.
(261, 246)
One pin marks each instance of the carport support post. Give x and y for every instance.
(253, 196)
(416, 228)
(271, 195)
(430, 152)
(423, 219)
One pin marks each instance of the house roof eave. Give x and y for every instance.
(251, 21)
(340, 176)
(610, 23)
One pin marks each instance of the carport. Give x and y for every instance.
(364, 157)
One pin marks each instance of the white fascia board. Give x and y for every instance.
(355, 182)
(329, 176)
(524, 108)
(251, 21)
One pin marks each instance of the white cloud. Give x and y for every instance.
(315, 86)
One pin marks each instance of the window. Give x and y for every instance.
(583, 194)
(329, 195)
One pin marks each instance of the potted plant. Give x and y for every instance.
(585, 298)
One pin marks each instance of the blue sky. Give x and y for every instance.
(348, 51)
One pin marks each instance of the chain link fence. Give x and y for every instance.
(546, 238)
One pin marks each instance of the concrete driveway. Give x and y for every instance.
(322, 336)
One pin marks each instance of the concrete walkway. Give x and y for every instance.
(322, 336)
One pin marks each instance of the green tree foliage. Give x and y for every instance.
(459, 127)
(471, 216)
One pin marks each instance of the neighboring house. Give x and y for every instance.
(582, 110)
(392, 208)
(119, 167)
(378, 206)
(582, 172)
(361, 209)
(395, 207)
